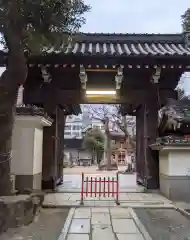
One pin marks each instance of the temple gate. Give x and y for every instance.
(143, 68)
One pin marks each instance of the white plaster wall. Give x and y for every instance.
(38, 141)
(22, 150)
(179, 163)
(175, 162)
(27, 143)
(163, 163)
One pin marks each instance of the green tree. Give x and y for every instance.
(186, 20)
(94, 142)
(34, 26)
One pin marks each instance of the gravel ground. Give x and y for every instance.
(47, 226)
(165, 224)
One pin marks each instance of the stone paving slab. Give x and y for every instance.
(129, 237)
(103, 223)
(124, 226)
(80, 226)
(120, 213)
(76, 237)
(100, 219)
(100, 210)
(82, 213)
(102, 232)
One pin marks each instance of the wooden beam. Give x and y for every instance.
(101, 70)
(77, 96)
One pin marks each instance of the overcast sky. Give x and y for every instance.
(136, 16)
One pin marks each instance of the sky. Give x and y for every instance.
(136, 16)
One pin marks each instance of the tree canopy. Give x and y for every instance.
(41, 24)
(31, 26)
(94, 139)
(186, 20)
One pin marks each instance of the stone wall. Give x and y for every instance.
(16, 211)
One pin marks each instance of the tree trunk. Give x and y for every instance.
(11, 79)
(107, 145)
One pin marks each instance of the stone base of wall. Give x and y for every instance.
(16, 211)
(51, 184)
(48, 184)
(176, 188)
(23, 182)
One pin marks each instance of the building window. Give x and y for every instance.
(67, 133)
(76, 134)
(78, 118)
(76, 127)
(67, 127)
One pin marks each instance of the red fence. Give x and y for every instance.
(100, 187)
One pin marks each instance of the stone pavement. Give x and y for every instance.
(103, 223)
(125, 199)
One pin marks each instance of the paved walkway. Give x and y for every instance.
(103, 223)
(125, 199)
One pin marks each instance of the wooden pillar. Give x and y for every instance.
(140, 154)
(53, 144)
(48, 157)
(151, 133)
(147, 163)
(61, 127)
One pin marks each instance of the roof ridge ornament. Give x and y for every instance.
(187, 38)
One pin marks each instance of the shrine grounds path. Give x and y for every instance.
(140, 215)
(72, 179)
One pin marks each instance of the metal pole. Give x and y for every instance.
(82, 190)
(117, 189)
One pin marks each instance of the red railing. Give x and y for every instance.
(100, 187)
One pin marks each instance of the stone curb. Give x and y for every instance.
(108, 206)
(67, 224)
(183, 212)
(140, 225)
(149, 206)
(61, 206)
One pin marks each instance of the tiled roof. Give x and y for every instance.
(129, 45)
(102, 44)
